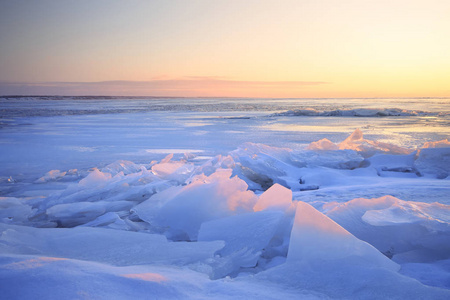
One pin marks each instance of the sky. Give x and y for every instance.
(206, 48)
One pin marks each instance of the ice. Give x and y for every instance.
(94, 195)
(102, 186)
(95, 179)
(357, 142)
(342, 155)
(172, 170)
(73, 214)
(335, 280)
(336, 159)
(137, 216)
(183, 210)
(14, 211)
(108, 220)
(262, 159)
(433, 274)
(434, 162)
(252, 149)
(437, 144)
(284, 163)
(116, 247)
(359, 112)
(266, 165)
(390, 165)
(93, 280)
(325, 257)
(396, 227)
(403, 212)
(124, 166)
(40, 277)
(51, 175)
(250, 230)
(316, 239)
(321, 178)
(227, 266)
(277, 197)
(323, 144)
(255, 181)
(246, 237)
(217, 162)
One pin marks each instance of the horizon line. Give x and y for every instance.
(198, 87)
(212, 97)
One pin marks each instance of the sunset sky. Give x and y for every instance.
(283, 48)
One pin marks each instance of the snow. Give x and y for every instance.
(94, 280)
(268, 199)
(433, 274)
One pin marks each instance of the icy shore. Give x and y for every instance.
(334, 220)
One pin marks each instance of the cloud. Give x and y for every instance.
(187, 86)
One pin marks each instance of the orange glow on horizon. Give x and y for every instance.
(307, 49)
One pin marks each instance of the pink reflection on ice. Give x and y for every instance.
(153, 277)
(32, 263)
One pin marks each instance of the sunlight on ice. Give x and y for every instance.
(315, 238)
(154, 277)
(32, 263)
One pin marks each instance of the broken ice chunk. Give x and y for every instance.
(277, 197)
(316, 239)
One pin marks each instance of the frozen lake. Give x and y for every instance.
(40, 134)
(187, 197)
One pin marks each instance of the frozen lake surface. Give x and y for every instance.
(40, 134)
(225, 198)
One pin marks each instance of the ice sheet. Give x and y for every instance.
(225, 198)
